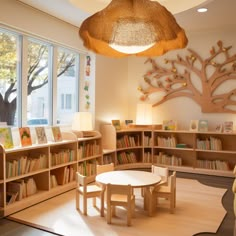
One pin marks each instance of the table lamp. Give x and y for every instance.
(144, 114)
(82, 124)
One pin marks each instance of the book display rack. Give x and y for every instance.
(31, 174)
(208, 152)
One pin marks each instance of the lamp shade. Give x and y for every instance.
(127, 24)
(82, 121)
(144, 114)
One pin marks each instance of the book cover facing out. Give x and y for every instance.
(6, 137)
(116, 124)
(228, 126)
(41, 135)
(56, 133)
(25, 136)
(203, 125)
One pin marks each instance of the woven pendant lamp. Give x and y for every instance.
(132, 27)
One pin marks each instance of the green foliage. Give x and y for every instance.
(8, 59)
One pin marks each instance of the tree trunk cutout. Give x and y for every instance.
(178, 79)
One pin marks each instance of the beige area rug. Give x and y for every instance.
(198, 209)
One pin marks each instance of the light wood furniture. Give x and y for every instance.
(163, 172)
(90, 155)
(104, 168)
(120, 195)
(51, 169)
(137, 179)
(168, 192)
(153, 145)
(129, 148)
(86, 191)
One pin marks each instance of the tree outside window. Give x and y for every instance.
(39, 80)
(8, 77)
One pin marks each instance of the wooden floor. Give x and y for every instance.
(9, 228)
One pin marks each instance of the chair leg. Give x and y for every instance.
(109, 214)
(129, 212)
(77, 199)
(172, 204)
(113, 210)
(142, 192)
(85, 205)
(94, 202)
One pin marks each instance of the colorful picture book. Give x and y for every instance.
(6, 137)
(56, 133)
(203, 125)
(41, 135)
(169, 125)
(228, 126)
(25, 136)
(116, 124)
(193, 125)
(128, 122)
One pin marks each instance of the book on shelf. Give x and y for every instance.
(53, 181)
(25, 136)
(16, 187)
(169, 125)
(31, 187)
(41, 135)
(116, 124)
(228, 126)
(6, 137)
(128, 122)
(193, 125)
(203, 125)
(11, 197)
(219, 128)
(65, 175)
(56, 133)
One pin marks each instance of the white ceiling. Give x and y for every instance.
(221, 13)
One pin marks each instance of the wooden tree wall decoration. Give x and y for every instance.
(175, 83)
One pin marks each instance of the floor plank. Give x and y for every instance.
(226, 228)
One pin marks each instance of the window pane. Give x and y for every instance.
(8, 77)
(38, 75)
(68, 101)
(66, 85)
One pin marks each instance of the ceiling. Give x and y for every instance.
(221, 13)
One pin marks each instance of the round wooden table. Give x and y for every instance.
(137, 179)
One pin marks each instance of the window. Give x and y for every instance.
(66, 101)
(67, 85)
(51, 86)
(9, 47)
(38, 80)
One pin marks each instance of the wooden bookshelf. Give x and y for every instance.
(177, 149)
(90, 154)
(45, 169)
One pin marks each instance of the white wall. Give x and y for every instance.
(181, 109)
(25, 18)
(117, 80)
(112, 90)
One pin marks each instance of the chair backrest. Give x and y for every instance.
(81, 181)
(116, 190)
(172, 182)
(104, 168)
(163, 172)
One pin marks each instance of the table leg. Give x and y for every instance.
(102, 200)
(147, 200)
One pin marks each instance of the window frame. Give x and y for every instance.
(22, 70)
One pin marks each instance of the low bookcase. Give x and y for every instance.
(208, 153)
(31, 174)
